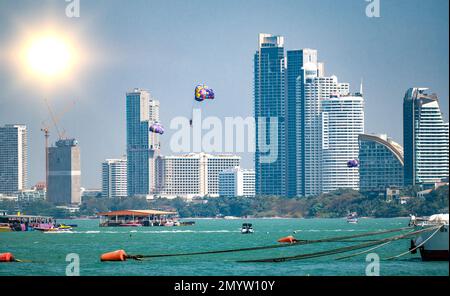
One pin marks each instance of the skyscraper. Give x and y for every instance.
(142, 145)
(13, 158)
(114, 178)
(380, 163)
(425, 138)
(312, 89)
(342, 123)
(269, 102)
(64, 176)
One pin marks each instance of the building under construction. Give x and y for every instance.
(64, 173)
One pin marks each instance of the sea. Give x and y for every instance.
(51, 254)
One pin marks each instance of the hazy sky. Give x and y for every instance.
(169, 46)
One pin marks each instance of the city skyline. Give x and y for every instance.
(388, 73)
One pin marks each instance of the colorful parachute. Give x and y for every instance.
(352, 163)
(157, 128)
(203, 92)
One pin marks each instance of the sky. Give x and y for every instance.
(168, 46)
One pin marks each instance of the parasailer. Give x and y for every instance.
(352, 163)
(156, 128)
(202, 92)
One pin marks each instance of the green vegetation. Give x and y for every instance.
(331, 205)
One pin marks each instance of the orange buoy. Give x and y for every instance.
(288, 239)
(118, 255)
(7, 257)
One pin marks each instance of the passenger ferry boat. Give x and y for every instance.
(19, 222)
(433, 246)
(137, 218)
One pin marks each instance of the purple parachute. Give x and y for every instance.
(157, 128)
(352, 163)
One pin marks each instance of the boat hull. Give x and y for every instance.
(436, 248)
(434, 255)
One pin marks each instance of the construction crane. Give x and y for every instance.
(46, 130)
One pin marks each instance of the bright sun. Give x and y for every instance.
(49, 56)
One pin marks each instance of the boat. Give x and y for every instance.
(4, 227)
(20, 222)
(433, 245)
(135, 218)
(131, 224)
(246, 228)
(352, 218)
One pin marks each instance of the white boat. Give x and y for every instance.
(246, 228)
(352, 218)
(433, 246)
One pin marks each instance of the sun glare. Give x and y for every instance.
(49, 56)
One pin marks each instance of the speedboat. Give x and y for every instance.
(246, 228)
(433, 245)
(352, 218)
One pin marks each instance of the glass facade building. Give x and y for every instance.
(142, 145)
(269, 102)
(425, 139)
(380, 163)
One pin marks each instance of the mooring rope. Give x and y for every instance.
(415, 248)
(296, 243)
(338, 250)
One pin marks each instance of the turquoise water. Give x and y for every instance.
(49, 250)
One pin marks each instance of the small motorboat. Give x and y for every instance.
(246, 228)
(131, 224)
(169, 223)
(352, 218)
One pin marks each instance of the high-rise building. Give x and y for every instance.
(380, 163)
(114, 178)
(236, 182)
(142, 145)
(342, 123)
(269, 102)
(13, 158)
(64, 184)
(191, 175)
(312, 89)
(425, 139)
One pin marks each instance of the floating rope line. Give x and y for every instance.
(339, 250)
(365, 251)
(295, 243)
(415, 248)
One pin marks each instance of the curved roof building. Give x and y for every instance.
(380, 163)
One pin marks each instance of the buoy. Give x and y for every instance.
(7, 257)
(118, 255)
(288, 239)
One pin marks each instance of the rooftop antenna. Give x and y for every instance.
(361, 87)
